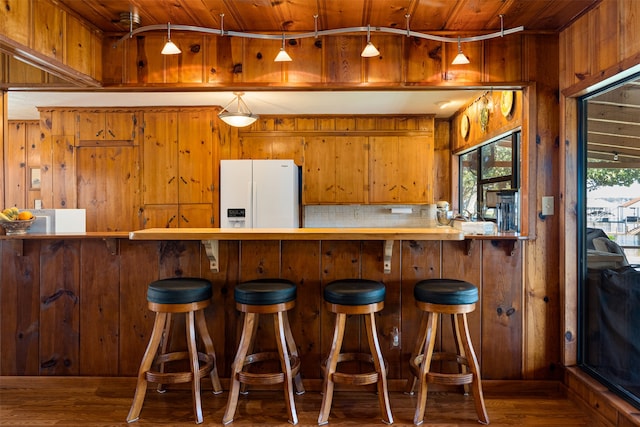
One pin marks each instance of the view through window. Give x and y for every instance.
(610, 280)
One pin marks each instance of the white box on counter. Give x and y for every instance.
(479, 227)
(59, 221)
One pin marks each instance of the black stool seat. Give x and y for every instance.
(354, 292)
(179, 290)
(265, 292)
(445, 292)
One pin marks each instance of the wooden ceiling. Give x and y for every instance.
(459, 16)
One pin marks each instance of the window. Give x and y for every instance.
(492, 166)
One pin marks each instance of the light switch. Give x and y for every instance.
(547, 205)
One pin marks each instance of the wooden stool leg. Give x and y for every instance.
(244, 386)
(417, 351)
(378, 362)
(209, 348)
(427, 352)
(293, 350)
(164, 347)
(330, 368)
(476, 385)
(281, 339)
(250, 320)
(147, 360)
(459, 347)
(195, 366)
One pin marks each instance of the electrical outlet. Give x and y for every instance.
(547, 205)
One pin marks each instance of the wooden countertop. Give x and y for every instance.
(297, 234)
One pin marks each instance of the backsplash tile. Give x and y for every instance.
(322, 216)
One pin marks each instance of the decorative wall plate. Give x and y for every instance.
(506, 102)
(464, 126)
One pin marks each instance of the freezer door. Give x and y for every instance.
(276, 200)
(236, 194)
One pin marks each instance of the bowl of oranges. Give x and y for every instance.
(15, 221)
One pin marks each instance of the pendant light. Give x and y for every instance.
(369, 50)
(282, 56)
(169, 47)
(241, 117)
(460, 58)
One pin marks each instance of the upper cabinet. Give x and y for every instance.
(107, 126)
(335, 170)
(401, 169)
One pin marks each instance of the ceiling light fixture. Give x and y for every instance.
(282, 56)
(460, 58)
(369, 50)
(241, 117)
(615, 156)
(169, 47)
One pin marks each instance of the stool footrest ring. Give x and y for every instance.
(354, 379)
(206, 366)
(449, 379)
(267, 377)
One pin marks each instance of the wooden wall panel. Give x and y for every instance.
(502, 310)
(99, 305)
(60, 307)
(14, 19)
(160, 158)
(195, 157)
(63, 171)
(307, 62)
(442, 170)
(305, 317)
(20, 307)
(138, 268)
(96, 313)
(15, 154)
(79, 50)
(48, 29)
(342, 60)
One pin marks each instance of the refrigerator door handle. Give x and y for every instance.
(254, 207)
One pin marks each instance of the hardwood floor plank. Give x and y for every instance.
(104, 402)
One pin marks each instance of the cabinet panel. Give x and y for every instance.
(108, 187)
(335, 169)
(401, 169)
(160, 171)
(195, 157)
(195, 215)
(106, 126)
(160, 216)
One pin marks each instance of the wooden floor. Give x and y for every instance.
(60, 401)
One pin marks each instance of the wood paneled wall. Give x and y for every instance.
(78, 306)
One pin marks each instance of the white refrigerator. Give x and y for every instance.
(259, 194)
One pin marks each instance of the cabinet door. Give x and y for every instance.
(160, 145)
(351, 169)
(335, 170)
(91, 126)
(401, 169)
(120, 126)
(108, 187)
(107, 126)
(193, 215)
(160, 216)
(195, 157)
(319, 170)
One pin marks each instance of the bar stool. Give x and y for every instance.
(456, 298)
(188, 296)
(253, 298)
(355, 297)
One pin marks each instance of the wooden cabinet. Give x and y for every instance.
(107, 126)
(401, 169)
(178, 169)
(195, 215)
(335, 170)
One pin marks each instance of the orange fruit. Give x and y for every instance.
(25, 215)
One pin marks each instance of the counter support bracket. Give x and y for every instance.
(211, 248)
(388, 252)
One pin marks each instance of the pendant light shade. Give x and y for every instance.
(282, 56)
(369, 50)
(170, 47)
(241, 116)
(460, 58)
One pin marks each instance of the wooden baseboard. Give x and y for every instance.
(603, 405)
